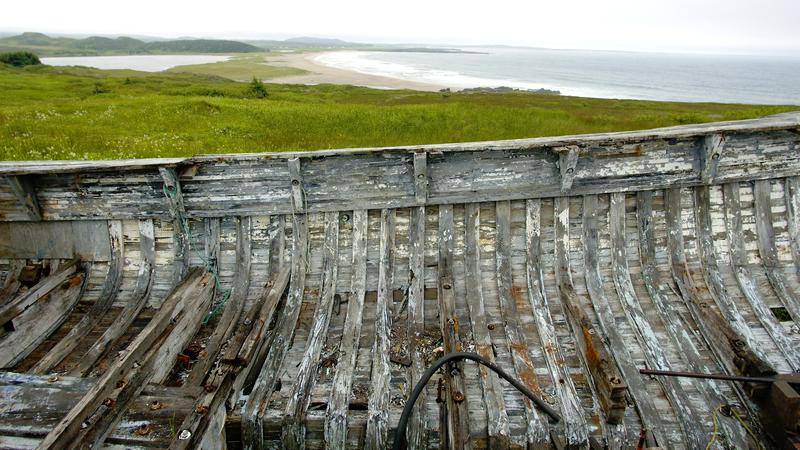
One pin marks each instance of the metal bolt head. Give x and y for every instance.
(295, 182)
(458, 396)
(185, 434)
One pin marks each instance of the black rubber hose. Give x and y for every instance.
(400, 433)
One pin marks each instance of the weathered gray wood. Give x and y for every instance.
(653, 349)
(567, 164)
(650, 416)
(180, 222)
(607, 380)
(744, 277)
(377, 436)
(293, 435)
(496, 416)
(296, 176)
(25, 191)
(110, 291)
(416, 322)
(671, 317)
(84, 239)
(36, 323)
(15, 307)
(183, 298)
(508, 294)
(336, 422)
(421, 177)
(141, 293)
(257, 401)
(458, 431)
(11, 282)
(710, 155)
(233, 306)
(792, 196)
(766, 248)
(575, 426)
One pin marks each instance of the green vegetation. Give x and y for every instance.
(73, 112)
(257, 89)
(240, 68)
(19, 59)
(45, 45)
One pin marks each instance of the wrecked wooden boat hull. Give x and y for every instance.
(294, 299)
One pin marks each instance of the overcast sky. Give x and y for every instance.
(740, 26)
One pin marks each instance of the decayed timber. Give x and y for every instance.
(571, 262)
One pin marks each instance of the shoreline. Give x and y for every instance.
(322, 74)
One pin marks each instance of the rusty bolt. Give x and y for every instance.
(155, 405)
(201, 409)
(458, 396)
(53, 379)
(109, 402)
(121, 383)
(615, 380)
(209, 387)
(143, 429)
(490, 326)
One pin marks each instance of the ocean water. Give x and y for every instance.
(145, 63)
(604, 74)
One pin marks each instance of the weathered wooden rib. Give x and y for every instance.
(575, 426)
(744, 277)
(111, 288)
(645, 333)
(336, 423)
(184, 298)
(144, 283)
(672, 293)
(20, 303)
(377, 434)
(258, 400)
(537, 426)
(25, 191)
(651, 419)
(496, 416)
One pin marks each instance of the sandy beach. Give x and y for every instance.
(319, 73)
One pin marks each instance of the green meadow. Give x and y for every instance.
(81, 113)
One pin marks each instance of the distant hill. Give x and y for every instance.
(314, 41)
(44, 45)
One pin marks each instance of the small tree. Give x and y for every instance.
(257, 89)
(19, 59)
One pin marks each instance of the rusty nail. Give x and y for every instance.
(458, 396)
(201, 409)
(155, 405)
(109, 402)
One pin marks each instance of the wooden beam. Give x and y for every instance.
(498, 431)
(111, 286)
(16, 306)
(24, 189)
(421, 177)
(710, 155)
(575, 425)
(791, 193)
(336, 421)
(180, 220)
(537, 432)
(567, 164)
(196, 285)
(296, 177)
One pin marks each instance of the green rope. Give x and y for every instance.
(223, 294)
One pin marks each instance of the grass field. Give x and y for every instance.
(75, 113)
(240, 68)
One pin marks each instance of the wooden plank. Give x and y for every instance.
(567, 164)
(15, 307)
(496, 416)
(792, 195)
(575, 425)
(24, 190)
(336, 421)
(768, 252)
(710, 155)
(83, 239)
(258, 400)
(458, 431)
(675, 326)
(141, 293)
(377, 436)
(111, 286)
(180, 221)
(508, 294)
(752, 358)
(416, 434)
(608, 383)
(39, 321)
(294, 414)
(421, 177)
(650, 416)
(11, 282)
(298, 194)
(196, 282)
(651, 344)
(233, 307)
(744, 277)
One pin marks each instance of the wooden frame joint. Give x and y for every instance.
(296, 176)
(24, 190)
(567, 163)
(710, 155)
(421, 177)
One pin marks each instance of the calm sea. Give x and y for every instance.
(145, 63)
(605, 74)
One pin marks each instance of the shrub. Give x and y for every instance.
(257, 89)
(20, 59)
